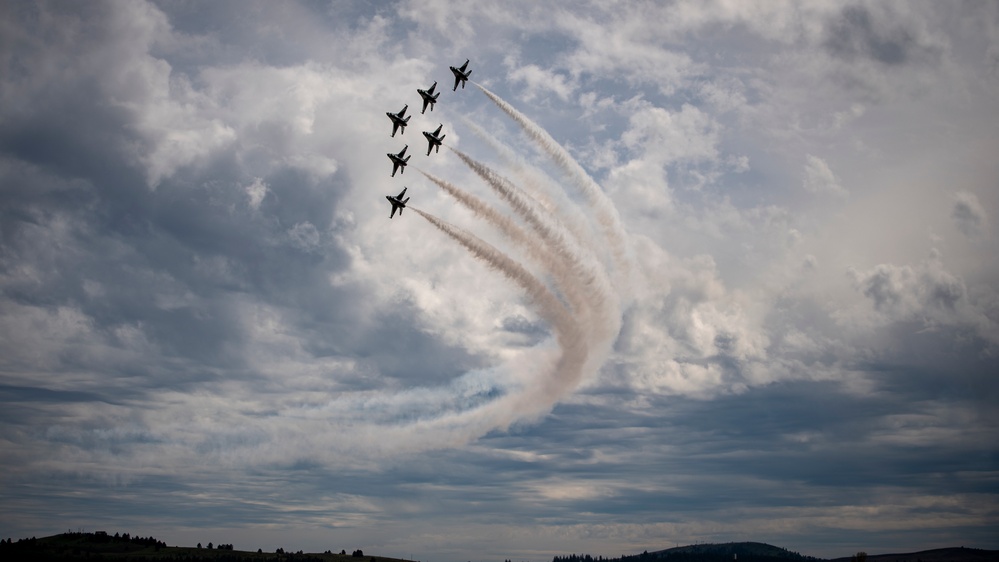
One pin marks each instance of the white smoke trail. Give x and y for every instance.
(566, 279)
(583, 326)
(538, 253)
(577, 272)
(552, 309)
(575, 353)
(544, 224)
(606, 212)
(554, 199)
(506, 225)
(510, 158)
(586, 273)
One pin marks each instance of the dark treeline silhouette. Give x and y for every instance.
(99, 537)
(122, 547)
(578, 558)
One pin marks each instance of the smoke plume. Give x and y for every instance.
(603, 207)
(568, 285)
(567, 332)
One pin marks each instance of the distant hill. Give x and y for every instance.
(124, 548)
(725, 552)
(762, 552)
(960, 554)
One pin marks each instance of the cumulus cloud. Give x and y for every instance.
(820, 179)
(685, 135)
(537, 80)
(928, 294)
(255, 193)
(688, 334)
(621, 42)
(661, 142)
(899, 290)
(969, 214)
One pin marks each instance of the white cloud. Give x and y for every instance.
(304, 236)
(178, 130)
(659, 141)
(537, 80)
(969, 215)
(928, 294)
(819, 179)
(687, 135)
(255, 193)
(686, 326)
(622, 43)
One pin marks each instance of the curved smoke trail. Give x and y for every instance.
(606, 212)
(565, 280)
(551, 308)
(576, 270)
(571, 291)
(540, 254)
(504, 223)
(510, 158)
(585, 274)
(540, 186)
(569, 367)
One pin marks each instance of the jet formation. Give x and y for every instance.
(434, 139)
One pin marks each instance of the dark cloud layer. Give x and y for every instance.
(856, 32)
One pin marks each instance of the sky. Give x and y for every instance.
(691, 271)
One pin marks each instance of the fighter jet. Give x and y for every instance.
(434, 139)
(428, 98)
(460, 75)
(398, 121)
(398, 161)
(398, 202)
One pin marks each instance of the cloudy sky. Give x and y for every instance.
(735, 277)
